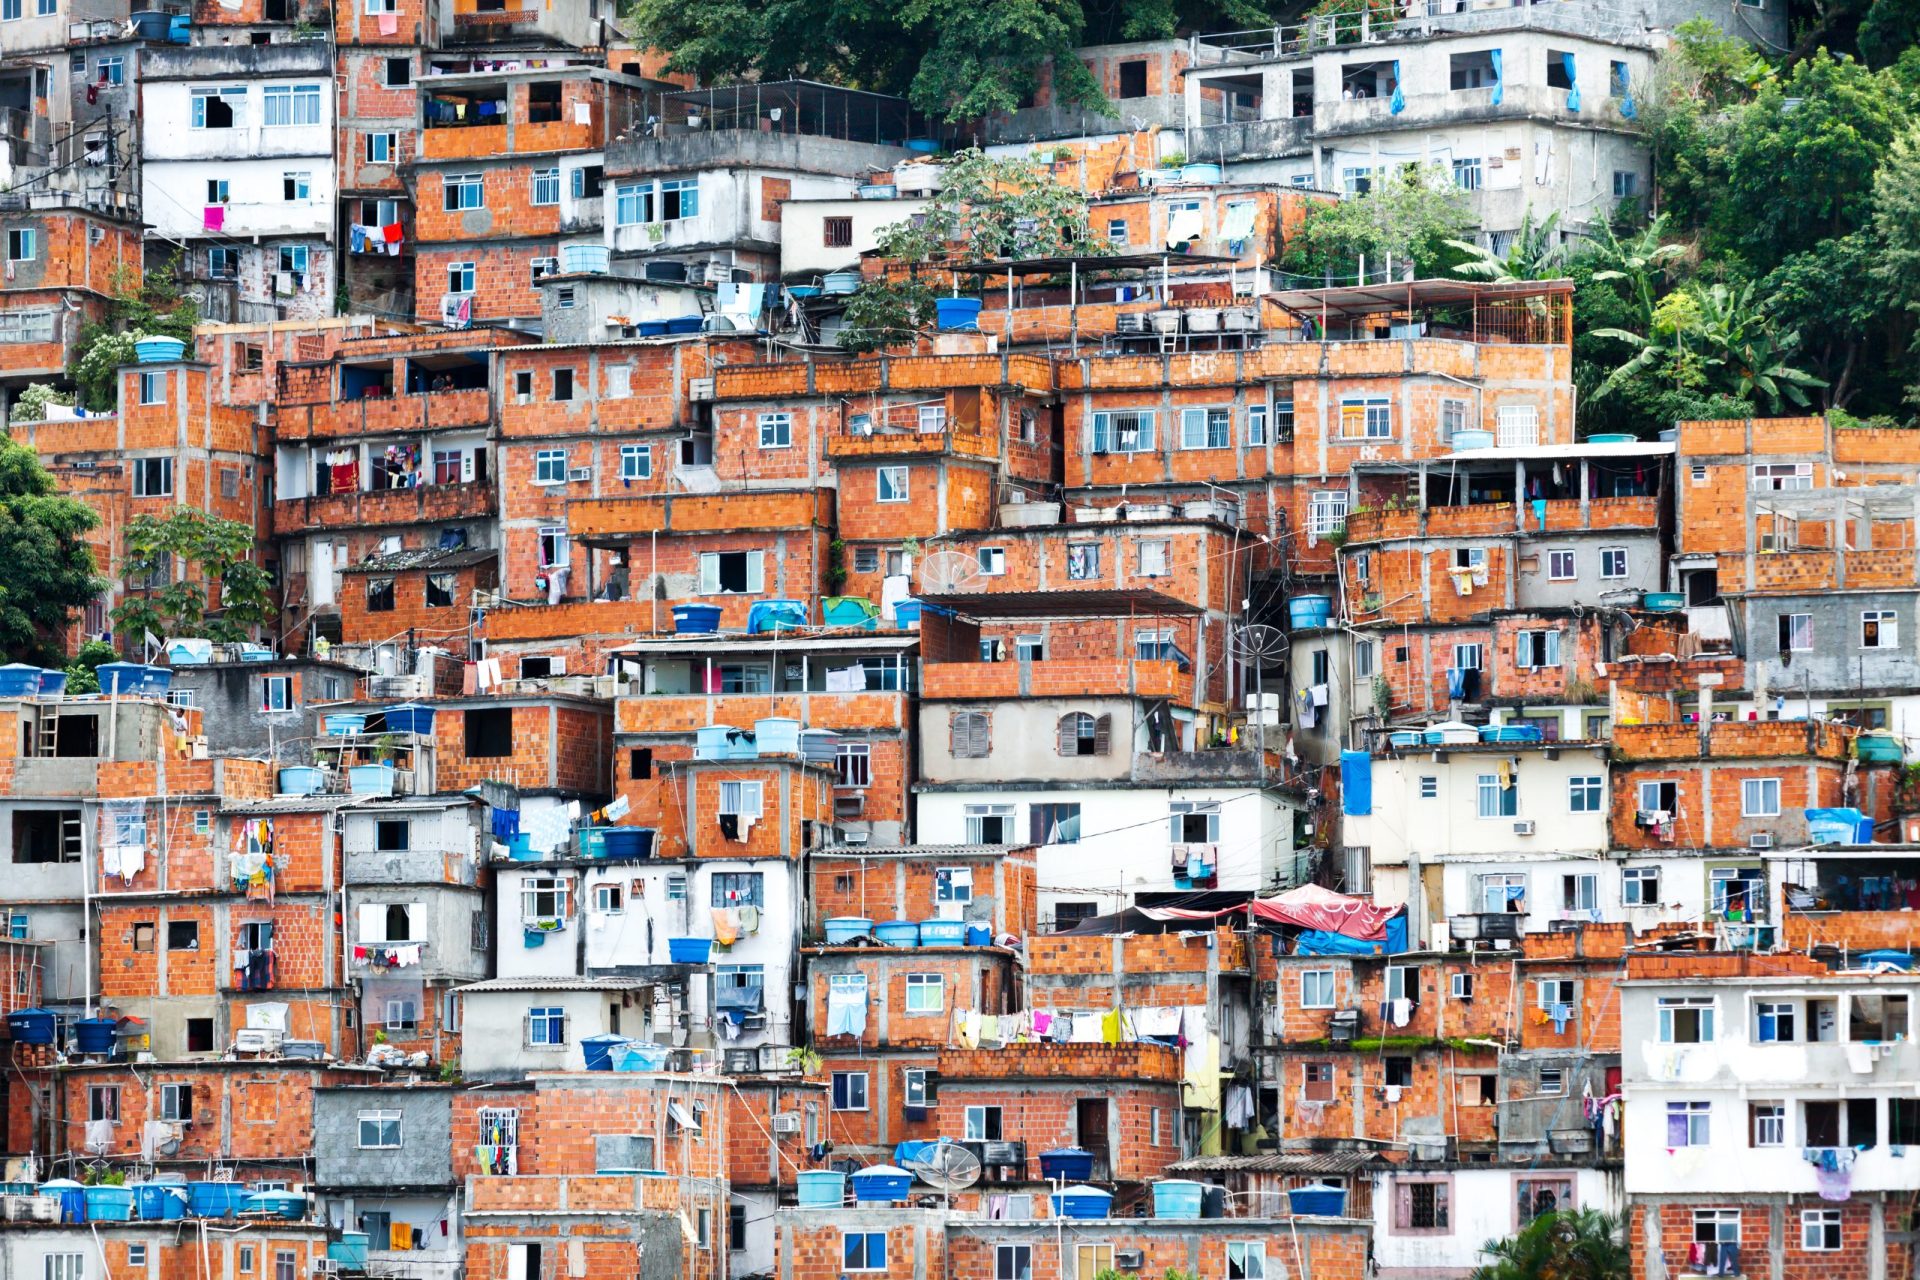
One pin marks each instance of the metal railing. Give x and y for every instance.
(1423, 18)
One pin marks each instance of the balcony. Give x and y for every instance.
(378, 415)
(616, 521)
(1558, 515)
(1735, 740)
(884, 373)
(1056, 678)
(687, 713)
(1137, 1061)
(407, 866)
(958, 438)
(423, 504)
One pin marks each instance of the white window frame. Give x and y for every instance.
(1319, 988)
(550, 466)
(1375, 417)
(386, 1125)
(1561, 565)
(776, 430)
(1613, 562)
(1824, 1224)
(1326, 513)
(1587, 793)
(1123, 431)
(1886, 625)
(1634, 886)
(1754, 799)
(1779, 477)
(919, 985)
(1490, 797)
(636, 461)
(892, 484)
(742, 798)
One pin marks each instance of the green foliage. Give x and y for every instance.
(885, 313)
(46, 567)
(155, 308)
(1416, 215)
(83, 673)
(997, 207)
(1583, 1244)
(212, 550)
(1536, 253)
(31, 405)
(1714, 339)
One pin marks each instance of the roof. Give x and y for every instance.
(1060, 604)
(789, 642)
(918, 850)
(556, 984)
(1542, 452)
(1061, 264)
(292, 804)
(1320, 1162)
(1362, 300)
(422, 558)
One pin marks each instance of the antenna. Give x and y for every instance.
(944, 571)
(947, 1167)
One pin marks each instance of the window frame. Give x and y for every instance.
(382, 1120)
(1753, 797)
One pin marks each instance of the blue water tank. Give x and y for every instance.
(31, 1026)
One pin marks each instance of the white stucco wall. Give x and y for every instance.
(1483, 1206)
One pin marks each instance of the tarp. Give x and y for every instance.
(1312, 907)
(1322, 942)
(1356, 783)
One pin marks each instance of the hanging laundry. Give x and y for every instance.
(214, 218)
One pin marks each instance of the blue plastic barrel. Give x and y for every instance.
(840, 930)
(159, 350)
(31, 1026)
(957, 313)
(159, 1201)
(641, 1056)
(290, 1205)
(216, 1199)
(19, 680)
(409, 717)
(350, 1250)
(340, 724)
(302, 780)
(1081, 1202)
(1070, 1164)
(95, 1035)
(823, 1187)
(881, 1183)
(689, 950)
(981, 935)
(897, 933)
(696, 619)
(1307, 612)
(109, 1204)
(906, 614)
(370, 779)
(1177, 1198)
(53, 682)
(71, 1195)
(943, 933)
(598, 1051)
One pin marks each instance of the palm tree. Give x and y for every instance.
(1637, 261)
(1718, 339)
(1583, 1244)
(1534, 254)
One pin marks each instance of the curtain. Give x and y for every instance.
(1499, 80)
(1573, 84)
(1398, 102)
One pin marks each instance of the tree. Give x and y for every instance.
(997, 207)
(1412, 217)
(1535, 254)
(1582, 1244)
(211, 550)
(46, 567)
(31, 405)
(1714, 339)
(83, 673)
(152, 307)
(885, 313)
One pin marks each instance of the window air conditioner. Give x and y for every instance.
(1524, 827)
(256, 1040)
(786, 1122)
(1760, 840)
(1129, 1259)
(579, 473)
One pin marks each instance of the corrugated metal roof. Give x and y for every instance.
(557, 984)
(917, 850)
(1311, 1162)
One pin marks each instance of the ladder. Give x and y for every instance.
(49, 732)
(71, 842)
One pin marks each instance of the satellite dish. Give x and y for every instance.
(945, 571)
(1257, 642)
(947, 1167)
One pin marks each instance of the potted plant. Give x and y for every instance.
(1173, 160)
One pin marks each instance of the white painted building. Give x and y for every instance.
(237, 151)
(829, 234)
(1433, 1222)
(512, 1027)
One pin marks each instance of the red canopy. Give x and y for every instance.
(1312, 907)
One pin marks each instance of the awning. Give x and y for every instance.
(1312, 907)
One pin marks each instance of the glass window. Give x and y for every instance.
(849, 1090)
(776, 431)
(1796, 632)
(546, 186)
(864, 1250)
(1499, 795)
(853, 764)
(1879, 629)
(1123, 431)
(1586, 794)
(740, 799)
(1820, 1230)
(379, 1129)
(547, 1026)
(636, 461)
(738, 888)
(1769, 1123)
(1206, 428)
(1246, 1260)
(1686, 1020)
(1503, 892)
(1775, 1021)
(288, 105)
(1560, 566)
(1778, 476)
(982, 1124)
(1640, 886)
(892, 484)
(679, 198)
(926, 993)
(1689, 1124)
(1326, 513)
(1317, 988)
(1760, 798)
(1613, 562)
(1366, 418)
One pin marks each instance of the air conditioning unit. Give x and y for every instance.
(576, 474)
(849, 806)
(1002, 1154)
(743, 1062)
(700, 388)
(1524, 827)
(1129, 1259)
(256, 1040)
(325, 1267)
(786, 1122)
(1760, 840)
(1343, 1026)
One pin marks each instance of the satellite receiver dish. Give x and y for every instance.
(1257, 642)
(945, 571)
(947, 1167)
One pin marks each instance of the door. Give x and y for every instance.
(1090, 1115)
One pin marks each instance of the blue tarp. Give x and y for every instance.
(1321, 942)
(1356, 783)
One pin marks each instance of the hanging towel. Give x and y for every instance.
(1110, 1027)
(583, 113)
(1402, 1012)
(357, 238)
(1042, 1024)
(392, 232)
(1184, 225)
(100, 1134)
(215, 217)
(726, 925)
(400, 1236)
(966, 1029)
(1087, 1028)
(389, 25)
(847, 1008)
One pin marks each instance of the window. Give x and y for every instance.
(65, 1266)
(1768, 1124)
(1256, 424)
(218, 108)
(1467, 657)
(112, 70)
(740, 800)
(1640, 886)
(853, 764)
(246, 1258)
(1580, 893)
(607, 899)
(1659, 797)
(1466, 172)
(463, 191)
(1560, 566)
(1777, 476)
(1499, 795)
(20, 244)
(1206, 428)
(546, 1027)
(183, 935)
(1123, 431)
(293, 259)
(776, 431)
(731, 572)
(926, 993)
(1586, 794)
(1362, 659)
(1796, 632)
(967, 735)
(636, 460)
(103, 1103)
(296, 186)
(679, 198)
(546, 186)
(1462, 986)
(1875, 1019)
(863, 1250)
(550, 466)
(891, 483)
(543, 898)
(379, 1129)
(1083, 561)
(399, 72)
(136, 1256)
(563, 384)
(1774, 1021)
(1503, 892)
(1317, 989)
(1056, 823)
(1326, 513)
(1613, 562)
(1533, 649)
(1081, 734)
(1689, 1124)
(1421, 1205)
(1429, 787)
(849, 1091)
(1879, 629)
(989, 823)
(836, 233)
(1820, 1230)
(1193, 822)
(1366, 418)
(1760, 798)
(460, 279)
(1549, 992)
(152, 477)
(380, 598)
(556, 549)
(288, 105)
(176, 1103)
(1013, 1262)
(1246, 1260)
(276, 693)
(1686, 1020)
(1536, 1196)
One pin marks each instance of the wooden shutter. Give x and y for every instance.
(1069, 733)
(980, 735)
(1103, 735)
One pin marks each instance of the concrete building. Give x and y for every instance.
(237, 162)
(383, 1164)
(277, 704)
